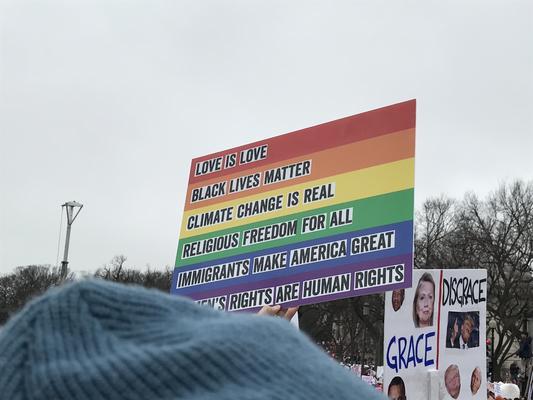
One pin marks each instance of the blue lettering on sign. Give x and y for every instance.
(402, 342)
(405, 352)
(428, 362)
(419, 360)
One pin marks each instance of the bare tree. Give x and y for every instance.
(495, 234)
(435, 225)
(500, 231)
(25, 283)
(116, 271)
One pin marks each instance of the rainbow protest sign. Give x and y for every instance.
(314, 215)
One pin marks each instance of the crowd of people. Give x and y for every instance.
(368, 371)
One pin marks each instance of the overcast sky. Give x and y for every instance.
(106, 102)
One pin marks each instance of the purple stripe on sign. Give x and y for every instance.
(405, 259)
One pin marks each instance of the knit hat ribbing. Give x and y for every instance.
(98, 340)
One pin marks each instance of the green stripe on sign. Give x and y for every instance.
(380, 210)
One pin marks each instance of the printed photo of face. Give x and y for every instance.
(423, 301)
(475, 382)
(397, 298)
(396, 389)
(466, 329)
(452, 380)
(462, 331)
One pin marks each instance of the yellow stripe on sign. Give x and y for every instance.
(355, 185)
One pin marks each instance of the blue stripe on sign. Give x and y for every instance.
(403, 245)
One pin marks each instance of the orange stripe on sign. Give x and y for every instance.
(358, 155)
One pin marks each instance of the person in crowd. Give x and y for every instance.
(509, 391)
(100, 340)
(514, 370)
(465, 340)
(524, 351)
(452, 380)
(423, 301)
(475, 380)
(398, 296)
(396, 389)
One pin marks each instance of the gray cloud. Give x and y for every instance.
(106, 103)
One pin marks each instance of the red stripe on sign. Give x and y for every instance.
(438, 319)
(325, 136)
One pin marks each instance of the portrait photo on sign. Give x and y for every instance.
(475, 380)
(462, 330)
(396, 390)
(452, 381)
(424, 301)
(398, 296)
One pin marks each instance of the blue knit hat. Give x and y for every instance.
(98, 340)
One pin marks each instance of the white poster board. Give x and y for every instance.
(438, 324)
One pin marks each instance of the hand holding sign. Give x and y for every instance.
(286, 313)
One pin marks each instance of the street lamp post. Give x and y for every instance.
(71, 216)
(492, 327)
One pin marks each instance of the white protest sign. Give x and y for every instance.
(438, 324)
